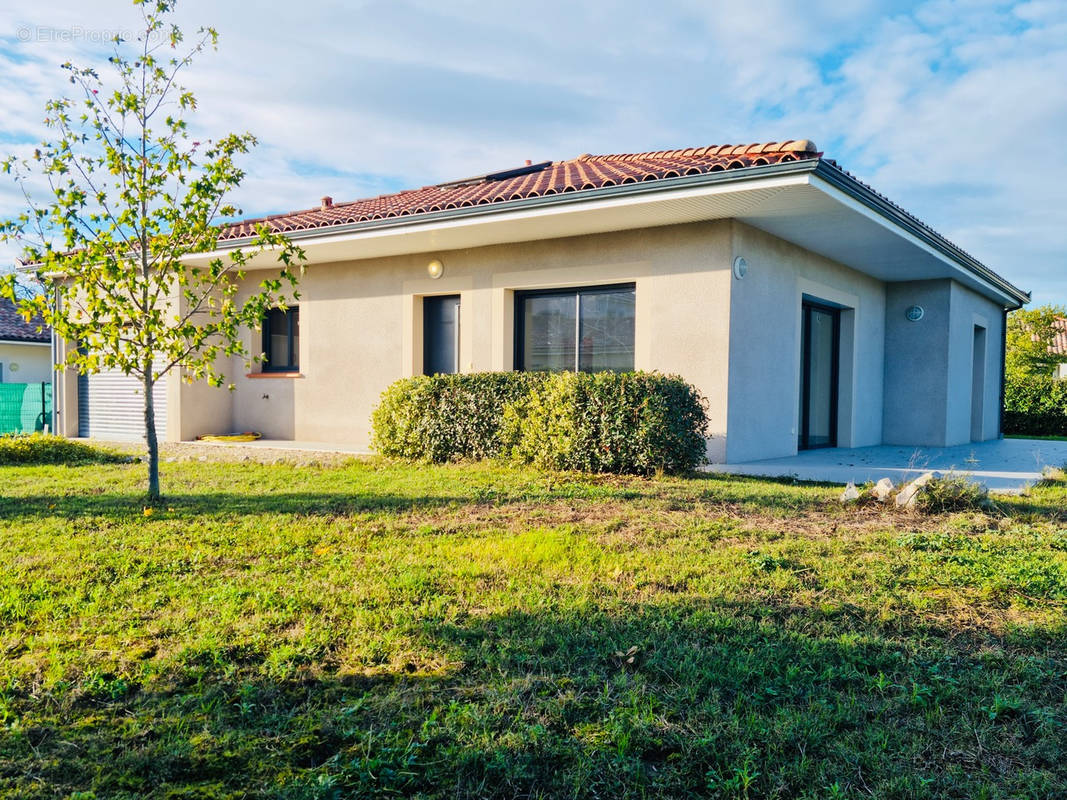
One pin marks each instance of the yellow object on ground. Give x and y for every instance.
(247, 436)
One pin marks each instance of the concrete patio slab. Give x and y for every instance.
(1005, 465)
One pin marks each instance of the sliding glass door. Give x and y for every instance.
(820, 351)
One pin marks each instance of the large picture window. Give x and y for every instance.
(586, 330)
(281, 340)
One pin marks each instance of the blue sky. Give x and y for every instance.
(955, 110)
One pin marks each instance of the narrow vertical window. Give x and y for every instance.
(440, 335)
(819, 353)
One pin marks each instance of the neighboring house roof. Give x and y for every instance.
(1059, 343)
(534, 180)
(13, 328)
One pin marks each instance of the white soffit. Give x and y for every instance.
(822, 219)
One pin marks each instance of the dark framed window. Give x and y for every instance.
(820, 356)
(281, 340)
(589, 329)
(440, 334)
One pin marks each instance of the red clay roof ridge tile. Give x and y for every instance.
(788, 146)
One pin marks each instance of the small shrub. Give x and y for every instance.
(442, 418)
(40, 448)
(952, 493)
(622, 422)
(629, 422)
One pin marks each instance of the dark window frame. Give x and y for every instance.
(520, 318)
(804, 434)
(292, 314)
(427, 333)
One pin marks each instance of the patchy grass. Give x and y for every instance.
(1041, 438)
(374, 629)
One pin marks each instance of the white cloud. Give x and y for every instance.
(955, 113)
(954, 109)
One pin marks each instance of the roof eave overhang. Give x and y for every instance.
(773, 197)
(855, 192)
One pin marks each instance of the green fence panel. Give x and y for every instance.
(25, 407)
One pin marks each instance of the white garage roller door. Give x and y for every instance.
(111, 406)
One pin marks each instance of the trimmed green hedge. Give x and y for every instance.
(627, 422)
(447, 417)
(1035, 405)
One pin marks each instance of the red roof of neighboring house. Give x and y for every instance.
(534, 180)
(1059, 343)
(13, 328)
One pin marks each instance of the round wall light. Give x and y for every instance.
(915, 313)
(740, 267)
(435, 269)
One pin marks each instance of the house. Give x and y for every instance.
(25, 348)
(25, 372)
(1059, 346)
(810, 310)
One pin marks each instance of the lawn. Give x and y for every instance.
(375, 629)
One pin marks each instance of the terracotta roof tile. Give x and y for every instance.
(584, 173)
(1059, 343)
(13, 328)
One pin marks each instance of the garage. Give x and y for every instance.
(111, 406)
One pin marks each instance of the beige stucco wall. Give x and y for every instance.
(765, 341)
(25, 363)
(360, 325)
(197, 405)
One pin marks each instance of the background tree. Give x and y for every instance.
(132, 196)
(1030, 337)
(1035, 401)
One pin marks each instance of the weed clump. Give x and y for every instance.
(952, 493)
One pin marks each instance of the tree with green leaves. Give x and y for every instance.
(1030, 337)
(131, 197)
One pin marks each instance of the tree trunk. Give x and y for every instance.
(150, 434)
